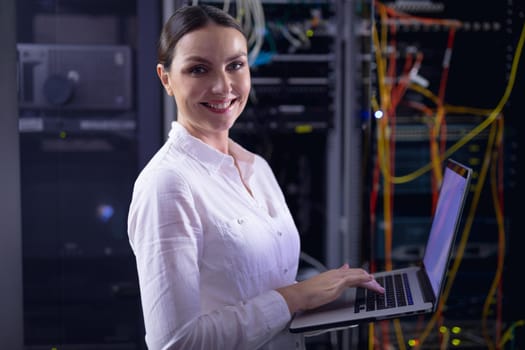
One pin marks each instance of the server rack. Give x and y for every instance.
(432, 102)
(323, 152)
(77, 121)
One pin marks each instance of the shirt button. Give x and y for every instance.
(285, 270)
(240, 221)
(279, 233)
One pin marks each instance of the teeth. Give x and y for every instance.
(219, 106)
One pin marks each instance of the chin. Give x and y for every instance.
(226, 124)
(217, 124)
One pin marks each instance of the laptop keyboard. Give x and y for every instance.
(397, 293)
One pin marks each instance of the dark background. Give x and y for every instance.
(82, 147)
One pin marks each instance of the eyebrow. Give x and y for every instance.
(196, 58)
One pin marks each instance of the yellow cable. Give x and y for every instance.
(399, 334)
(464, 236)
(449, 108)
(371, 336)
(435, 156)
(383, 133)
(509, 334)
(374, 103)
(384, 156)
(387, 198)
(424, 91)
(385, 97)
(476, 130)
(501, 241)
(467, 110)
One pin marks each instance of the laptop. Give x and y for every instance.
(410, 290)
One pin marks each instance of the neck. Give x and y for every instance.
(217, 139)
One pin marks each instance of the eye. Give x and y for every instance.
(197, 70)
(236, 65)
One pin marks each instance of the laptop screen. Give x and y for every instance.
(445, 223)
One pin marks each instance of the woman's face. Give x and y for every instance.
(209, 78)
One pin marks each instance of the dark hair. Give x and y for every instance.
(186, 19)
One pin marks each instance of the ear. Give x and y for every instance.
(164, 78)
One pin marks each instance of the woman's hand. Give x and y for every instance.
(326, 287)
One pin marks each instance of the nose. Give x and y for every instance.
(221, 83)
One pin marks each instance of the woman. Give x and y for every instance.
(216, 247)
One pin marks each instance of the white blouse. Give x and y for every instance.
(210, 255)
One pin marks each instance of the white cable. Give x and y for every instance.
(238, 7)
(259, 29)
(226, 6)
(250, 15)
(288, 36)
(300, 31)
(248, 24)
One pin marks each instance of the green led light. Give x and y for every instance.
(62, 135)
(456, 329)
(456, 342)
(303, 129)
(309, 33)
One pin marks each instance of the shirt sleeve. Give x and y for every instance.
(165, 234)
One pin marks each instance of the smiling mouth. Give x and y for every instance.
(219, 107)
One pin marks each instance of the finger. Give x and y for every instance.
(345, 266)
(356, 277)
(374, 285)
(361, 274)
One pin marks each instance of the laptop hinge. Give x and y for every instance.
(428, 294)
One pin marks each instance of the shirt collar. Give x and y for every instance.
(245, 159)
(208, 156)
